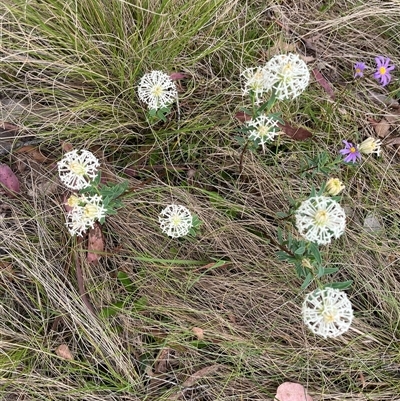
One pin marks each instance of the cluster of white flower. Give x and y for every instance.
(157, 90)
(320, 218)
(175, 220)
(264, 129)
(327, 312)
(85, 211)
(76, 171)
(285, 74)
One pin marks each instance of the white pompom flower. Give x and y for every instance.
(289, 75)
(175, 221)
(327, 312)
(370, 145)
(76, 170)
(256, 80)
(264, 129)
(86, 210)
(320, 218)
(157, 90)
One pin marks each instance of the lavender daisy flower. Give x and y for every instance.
(382, 73)
(351, 152)
(359, 67)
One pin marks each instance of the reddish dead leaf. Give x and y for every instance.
(64, 352)
(242, 116)
(292, 392)
(33, 152)
(191, 380)
(298, 134)
(9, 179)
(177, 75)
(163, 361)
(198, 332)
(67, 147)
(381, 127)
(393, 141)
(324, 83)
(95, 244)
(8, 129)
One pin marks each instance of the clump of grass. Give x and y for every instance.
(74, 68)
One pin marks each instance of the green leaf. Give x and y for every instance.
(307, 281)
(140, 304)
(111, 310)
(300, 251)
(126, 281)
(330, 270)
(314, 250)
(340, 285)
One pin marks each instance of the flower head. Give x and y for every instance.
(359, 68)
(351, 152)
(370, 145)
(175, 221)
(77, 170)
(327, 312)
(289, 75)
(334, 186)
(86, 210)
(383, 69)
(157, 90)
(320, 218)
(264, 129)
(255, 80)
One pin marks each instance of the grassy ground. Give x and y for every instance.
(68, 73)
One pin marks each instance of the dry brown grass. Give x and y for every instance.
(249, 305)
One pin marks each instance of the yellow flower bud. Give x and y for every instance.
(334, 186)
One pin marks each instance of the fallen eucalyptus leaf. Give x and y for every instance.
(292, 392)
(9, 179)
(298, 134)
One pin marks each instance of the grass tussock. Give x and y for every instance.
(68, 73)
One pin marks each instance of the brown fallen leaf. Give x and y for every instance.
(8, 130)
(64, 352)
(66, 146)
(33, 152)
(177, 75)
(9, 180)
(292, 392)
(381, 128)
(191, 380)
(95, 243)
(198, 332)
(298, 134)
(393, 141)
(242, 116)
(324, 83)
(386, 100)
(163, 360)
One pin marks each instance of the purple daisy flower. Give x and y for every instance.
(383, 69)
(351, 152)
(359, 67)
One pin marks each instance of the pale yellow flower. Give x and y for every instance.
(370, 145)
(334, 186)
